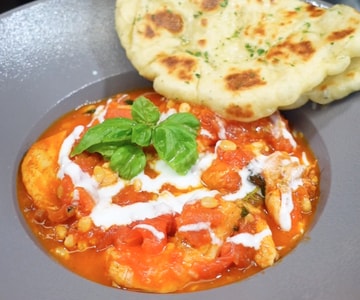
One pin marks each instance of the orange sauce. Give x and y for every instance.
(89, 259)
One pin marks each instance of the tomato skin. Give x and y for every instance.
(87, 161)
(129, 195)
(140, 237)
(248, 131)
(118, 110)
(238, 158)
(164, 225)
(211, 269)
(209, 122)
(282, 144)
(86, 202)
(222, 177)
(119, 236)
(194, 214)
(240, 255)
(65, 190)
(62, 214)
(196, 238)
(65, 208)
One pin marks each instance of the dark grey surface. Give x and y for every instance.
(10, 4)
(353, 3)
(56, 54)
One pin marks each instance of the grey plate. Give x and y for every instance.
(57, 54)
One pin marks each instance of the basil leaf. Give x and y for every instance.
(128, 161)
(141, 135)
(144, 111)
(105, 149)
(187, 121)
(175, 141)
(120, 140)
(111, 130)
(177, 149)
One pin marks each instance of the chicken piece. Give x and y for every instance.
(266, 254)
(162, 273)
(190, 255)
(205, 228)
(283, 175)
(39, 171)
(169, 271)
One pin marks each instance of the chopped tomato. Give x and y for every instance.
(211, 269)
(118, 110)
(193, 215)
(196, 238)
(62, 214)
(150, 235)
(245, 131)
(240, 255)
(282, 144)
(86, 202)
(65, 190)
(154, 232)
(129, 195)
(221, 176)
(119, 236)
(87, 161)
(238, 158)
(208, 121)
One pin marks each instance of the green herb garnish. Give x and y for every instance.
(252, 50)
(258, 180)
(204, 54)
(244, 212)
(198, 14)
(121, 140)
(224, 3)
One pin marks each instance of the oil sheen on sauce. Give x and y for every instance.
(271, 150)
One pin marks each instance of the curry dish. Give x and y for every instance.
(245, 201)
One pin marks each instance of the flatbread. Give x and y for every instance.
(338, 86)
(243, 58)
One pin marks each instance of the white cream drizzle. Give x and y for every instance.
(287, 204)
(100, 112)
(68, 167)
(201, 226)
(206, 133)
(286, 207)
(279, 129)
(305, 159)
(80, 178)
(191, 180)
(222, 130)
(106, 213)
(167, 114)
(158, 234)
(250, 240)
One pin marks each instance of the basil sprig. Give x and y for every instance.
(121, 140)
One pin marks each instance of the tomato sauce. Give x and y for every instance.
(217, 257)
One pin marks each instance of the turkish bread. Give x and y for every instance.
(243, 58)
(338, 86)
